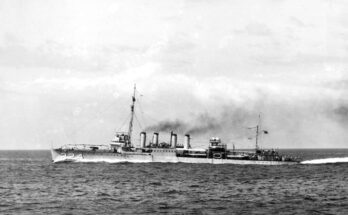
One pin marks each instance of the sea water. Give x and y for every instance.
(31, 184)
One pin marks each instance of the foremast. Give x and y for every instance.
(130, 128)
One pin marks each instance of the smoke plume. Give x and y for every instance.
(230, 120)
(341, 114)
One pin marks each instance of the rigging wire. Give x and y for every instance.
(95, 116)
(136, 119)
(123, 124)
(141, 109)
(145, 117)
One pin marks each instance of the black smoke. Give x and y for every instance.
(168, 125)
(230, 120)
(341, 114)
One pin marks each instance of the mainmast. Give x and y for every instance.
(257, 135)
(130, 129)
(258, 128)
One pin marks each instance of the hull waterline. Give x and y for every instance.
(151, 158)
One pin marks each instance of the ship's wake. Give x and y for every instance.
(326, 160)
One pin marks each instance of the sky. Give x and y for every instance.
(204, 67)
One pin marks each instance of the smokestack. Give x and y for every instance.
(187, 141)
(155, 138)
(142, 139)
(174, 140)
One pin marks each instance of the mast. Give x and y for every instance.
(130, 129)
(258, 128)
(257, 135)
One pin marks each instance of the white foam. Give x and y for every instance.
(326, 160)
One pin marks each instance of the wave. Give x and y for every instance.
(326, 160)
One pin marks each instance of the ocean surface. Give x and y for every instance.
(31, 184)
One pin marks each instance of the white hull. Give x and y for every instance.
(149, 158)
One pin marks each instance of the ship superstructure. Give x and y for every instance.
(121, 149)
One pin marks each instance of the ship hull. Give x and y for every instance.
(149, 158)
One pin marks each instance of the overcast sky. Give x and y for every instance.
(67, 70)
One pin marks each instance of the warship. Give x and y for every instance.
(121, 149)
